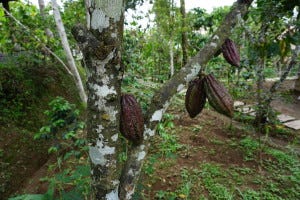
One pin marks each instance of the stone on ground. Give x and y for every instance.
(285, 118)
(238, 104)
(293, 124)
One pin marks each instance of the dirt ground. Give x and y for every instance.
(208, 138)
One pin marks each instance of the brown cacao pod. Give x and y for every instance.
(131, 120)
(195, 97)
(231, 53)
(218, 96)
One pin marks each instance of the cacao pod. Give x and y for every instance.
(218, 96)
(131, 120)
(195, 97)
(231, 53)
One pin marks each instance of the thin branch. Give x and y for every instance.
(161, 99)
(291, 65)
(38, 39)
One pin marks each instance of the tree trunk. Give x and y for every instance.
(171, 52)
(184, 41)
(87, 12)
(48, 32)
(66, 46)
(101, 46)
(297, 83)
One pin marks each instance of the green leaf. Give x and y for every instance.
(30, 197)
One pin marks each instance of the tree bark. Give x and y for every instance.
(66, 46)
(171, 53)
(162, 97)
(48, 32)
(87, 12)
(184, 41)
(101, 47)
(297, 83)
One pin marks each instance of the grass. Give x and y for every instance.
(201, 166)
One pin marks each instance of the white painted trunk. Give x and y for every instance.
(66, 46)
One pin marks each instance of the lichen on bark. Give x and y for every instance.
(101, 48)
(102, 54)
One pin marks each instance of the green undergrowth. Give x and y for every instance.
(27, 85)
(173, 170)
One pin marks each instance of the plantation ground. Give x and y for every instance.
(212, 157)
(208, 157)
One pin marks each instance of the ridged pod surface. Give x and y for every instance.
(231, 53)
(131, 121)
(195, 97)
(218, 96)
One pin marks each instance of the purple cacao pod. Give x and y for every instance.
(195, 97)
(218, 96)
(131, 120)
(231, 53)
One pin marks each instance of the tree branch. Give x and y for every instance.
(38, 39)
(277, 84)
(162, 97)
(87, 41)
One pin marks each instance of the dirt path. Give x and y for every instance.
(287, 101)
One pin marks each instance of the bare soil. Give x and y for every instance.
(208, 138)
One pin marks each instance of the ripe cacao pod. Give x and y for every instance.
(218, 96)
(231, 53)
(131, 120)
(195, 97)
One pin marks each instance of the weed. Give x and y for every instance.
(282, 158)
(169, 145)
(249, 146)
(62, 128)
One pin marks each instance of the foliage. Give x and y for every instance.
(64, 131)
(132, 4)
(78, 179)
(169, 144)
(62, 128)
(19, 86)
(146, 60)
(14, 37)
(249, 146)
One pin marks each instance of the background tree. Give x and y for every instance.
(66, 46)
(271, 43)
(184, 40)
(167, 23)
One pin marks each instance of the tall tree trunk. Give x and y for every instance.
(48, 32)
(260, 117)
(171, 52)
(297, 83)
(66, 46)
(184, 42)
(87, 13)
(101, 46)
